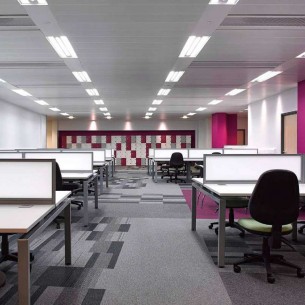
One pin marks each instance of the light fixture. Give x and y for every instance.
(191, 113)
(92, 92)
(54, 109)
(148, 113)
(33, 2)
(227, 2)
(71, 117)
(215, 102)
(41, 102)
(302, 55)
(99, 102)
(108, 117)
(235, 92)
(152, 109)
(82, 77)
(147, 117)
(174, 76)
(2, 81)
(104, 109)
(157, 102)
(266, 76)
(193, 46)
(246, 109)
(62, 46)
(185, 117)
(201, 109)
(65, 114)
(106, 114)
(21, 92)
(164, 91)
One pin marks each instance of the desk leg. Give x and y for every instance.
(295, 231)
(148, 164)
(156, 171)
(96, 191)
(24, 279)
(101, 176)
(67, 212)
(188, 172)
(86, 217)
(112, 169)
(221, 233)
(194, 208)
(107, 175)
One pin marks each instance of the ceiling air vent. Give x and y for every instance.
(16, 21)
(264, 21)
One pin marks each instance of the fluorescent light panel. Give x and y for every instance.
(65, 114)
(193, 46)
(92, 92)
(201, 109)
(148, 113)
(174, 76)
(191, 113)
(164, 91)
(157, 102)
(71, 117)
(104, 109)
(235, 92)
(41, 102)
(222, 2)
(147, 117)
(62, 46)
(266, 76)
(152, 109)
(33, 2)
(106, 114)
(302, 55)
(108, 117)
(82, 77)
(2, 81)
(99, 102)
(54, 109)
(185, 117)
(21, 92)
(215, 102)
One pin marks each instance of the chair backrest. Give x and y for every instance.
(176, 159)
(59, 181)
(275, 200)
(216, 153)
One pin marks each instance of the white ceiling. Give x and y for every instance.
(129, 46)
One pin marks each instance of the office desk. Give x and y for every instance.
(85, 178)
(149, 165)
(30, 221)
(101, 166)
(112, 162)
(220, 193)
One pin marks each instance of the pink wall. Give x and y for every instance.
(224, 129)
(301, 117)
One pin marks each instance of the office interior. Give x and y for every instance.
(137, 77)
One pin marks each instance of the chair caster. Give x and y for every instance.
(270, 279)
(236, 269)
(210, 226)
(300, 273)
(32, 257)
(216, 231)
(300, 231)
(79, 207)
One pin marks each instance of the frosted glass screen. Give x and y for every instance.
(166, 153)
(248, 168)
(108, 153)
(81, 161)
(151, 152)
(199, 153)
(12, 155)
(98, 155)
(25, 180)
(252, 151)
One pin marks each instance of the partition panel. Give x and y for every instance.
(108, 153)
(245, 151)
(98, 154)
(166, 153)
(10, 155)
(151, 152)
(199, 153)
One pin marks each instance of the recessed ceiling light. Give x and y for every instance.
(235, 92)
(164, 91)
(185, 117)
(266, 76)
(147, 117)
(62, 46)
(92, 92)
(227, 2)
(2, 81)
(54, 109)
(82, 77)
(33, 2)
(71, 117)
(109, 117)
(152, 109)
(174, 76)
(148, 113)
(201, 109)
(193, 46)
(99, 102)
(21, 92)
(191, 113)
(301, 55)
(157, 102)
(215, 102)
(106, 114)
(65, 114)
(41, 102)
(104, 109)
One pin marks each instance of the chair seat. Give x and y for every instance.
(254, 226)
(70, 186)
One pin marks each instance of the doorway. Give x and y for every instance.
(289, 133)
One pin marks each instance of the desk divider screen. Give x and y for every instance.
(248, 168)
(151, 152)
(108, 154)
(245, 151)
(27, 181)
(98, 154)
(10, 155)
(199, 153)
(166, 153)
(69, 162)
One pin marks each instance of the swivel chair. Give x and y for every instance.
(273, 206)
(176, 162)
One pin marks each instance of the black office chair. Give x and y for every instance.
(176, 162)
(165, 170)
(273, 206)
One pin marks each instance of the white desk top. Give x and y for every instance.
(76, 176)
(16, 218)
(100, 163)
(184, 159)
(237, 189)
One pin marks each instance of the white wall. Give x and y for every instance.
(264, 119)
(20, 128)
(202, 127)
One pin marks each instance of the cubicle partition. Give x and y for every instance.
(199, 153)
(99, 155)
(248, 168)
(10, 155)
(166, 153)
(245, 151)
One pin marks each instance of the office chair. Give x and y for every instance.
(165, 170)
(273, 206)
(176, 162)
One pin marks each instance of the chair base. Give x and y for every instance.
(78, 203)
(2, 279)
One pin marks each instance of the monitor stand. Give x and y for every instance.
(2, 279)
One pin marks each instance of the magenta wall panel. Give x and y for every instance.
(232, 129)
(131, 147)
(301, 117)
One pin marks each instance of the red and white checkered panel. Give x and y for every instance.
(131, 148)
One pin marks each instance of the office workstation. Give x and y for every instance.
(152, 152)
